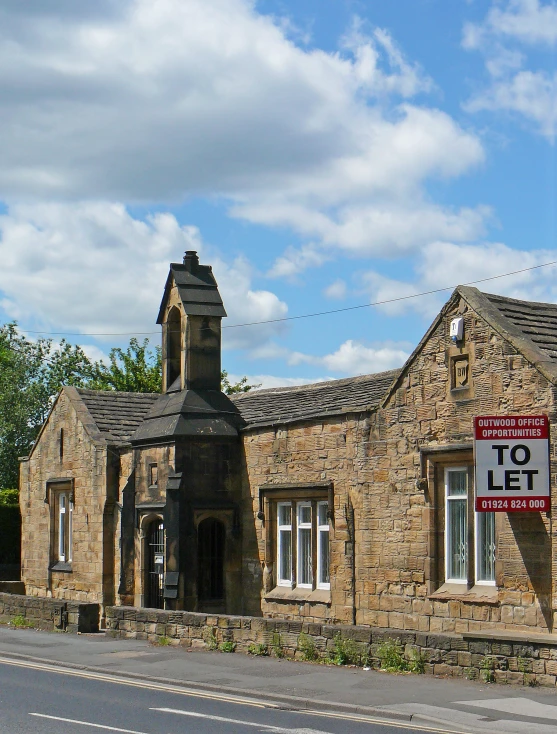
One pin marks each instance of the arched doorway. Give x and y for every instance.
(154, 571)
(211, 536)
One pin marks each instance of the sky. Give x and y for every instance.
(319, 154)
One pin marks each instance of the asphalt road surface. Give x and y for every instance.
(36, 701)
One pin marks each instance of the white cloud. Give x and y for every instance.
(92, 267)
(295, 261)
(529, 21)
(142, 101)
(506, 36)
(355, 358)
(337, 289)
(531, 94)
(445, 265)
(265, 381)
(164, 99)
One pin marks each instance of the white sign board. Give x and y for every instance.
(512, 463)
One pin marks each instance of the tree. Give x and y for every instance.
(135, 369)
(241, 386)
(31, 374)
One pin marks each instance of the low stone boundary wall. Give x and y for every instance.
(503, 658)
(48, 614)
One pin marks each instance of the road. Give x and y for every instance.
(34, 700)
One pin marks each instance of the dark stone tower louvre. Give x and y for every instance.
(199, 492)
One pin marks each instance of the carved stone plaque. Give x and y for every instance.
(460, 372)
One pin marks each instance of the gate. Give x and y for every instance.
(155, 566)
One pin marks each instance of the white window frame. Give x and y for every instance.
(65, 526)
(284, 581)
(304, 527)
(478, 549)
(448, 500)
(476, 519)
(323, 531)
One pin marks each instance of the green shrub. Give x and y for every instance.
(210, 637)
(391, 656)
(227, 646)
(306, 645)
(163, 641)
(276, 645)
(346, 652)
(258, 648)
(20, 621)
(487, 667)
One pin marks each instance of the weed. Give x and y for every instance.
(306, 645)
(345, 652)
(524, 665)
(416, 664)
(227, 646)
(470, 673)
(258, 648)
(276, 645)
(20, 621)
(211, 640)
(487, 667)
(391, 656)
(163, 641)
(531, 680)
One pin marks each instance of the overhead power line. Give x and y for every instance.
(310, 315)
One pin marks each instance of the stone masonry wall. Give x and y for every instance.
(84, 461)
(514, 659)
(48, 614)
(387, 570)
(400, 525)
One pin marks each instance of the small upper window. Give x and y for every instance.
(153, 475)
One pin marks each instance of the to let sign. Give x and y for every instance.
(512, 463)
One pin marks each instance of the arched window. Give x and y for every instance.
(173, 346)
(210, 558)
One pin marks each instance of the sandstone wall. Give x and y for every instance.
(507, 658)
(85, 462)
(387, 570)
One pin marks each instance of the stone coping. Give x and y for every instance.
(538, 638)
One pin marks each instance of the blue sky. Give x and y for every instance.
(320, 154)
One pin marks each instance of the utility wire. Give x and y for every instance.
(309, 315)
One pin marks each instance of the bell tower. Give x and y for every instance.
(190, 314)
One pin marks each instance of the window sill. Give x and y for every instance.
(313, 596)
(485, 594)
(61, 566)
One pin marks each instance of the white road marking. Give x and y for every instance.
(139, 683)
(520, 706)
(226, 720)
(87, 723)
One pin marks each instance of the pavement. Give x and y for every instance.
(451, 705)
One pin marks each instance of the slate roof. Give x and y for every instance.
(322, 399)
(537, 321)
(117, 414)
(197, 288)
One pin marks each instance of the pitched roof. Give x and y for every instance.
(529, 326)
(197, 288)
(117, 414)
(537, 321)
(322, 399)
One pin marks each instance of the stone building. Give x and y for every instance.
(347, 501)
